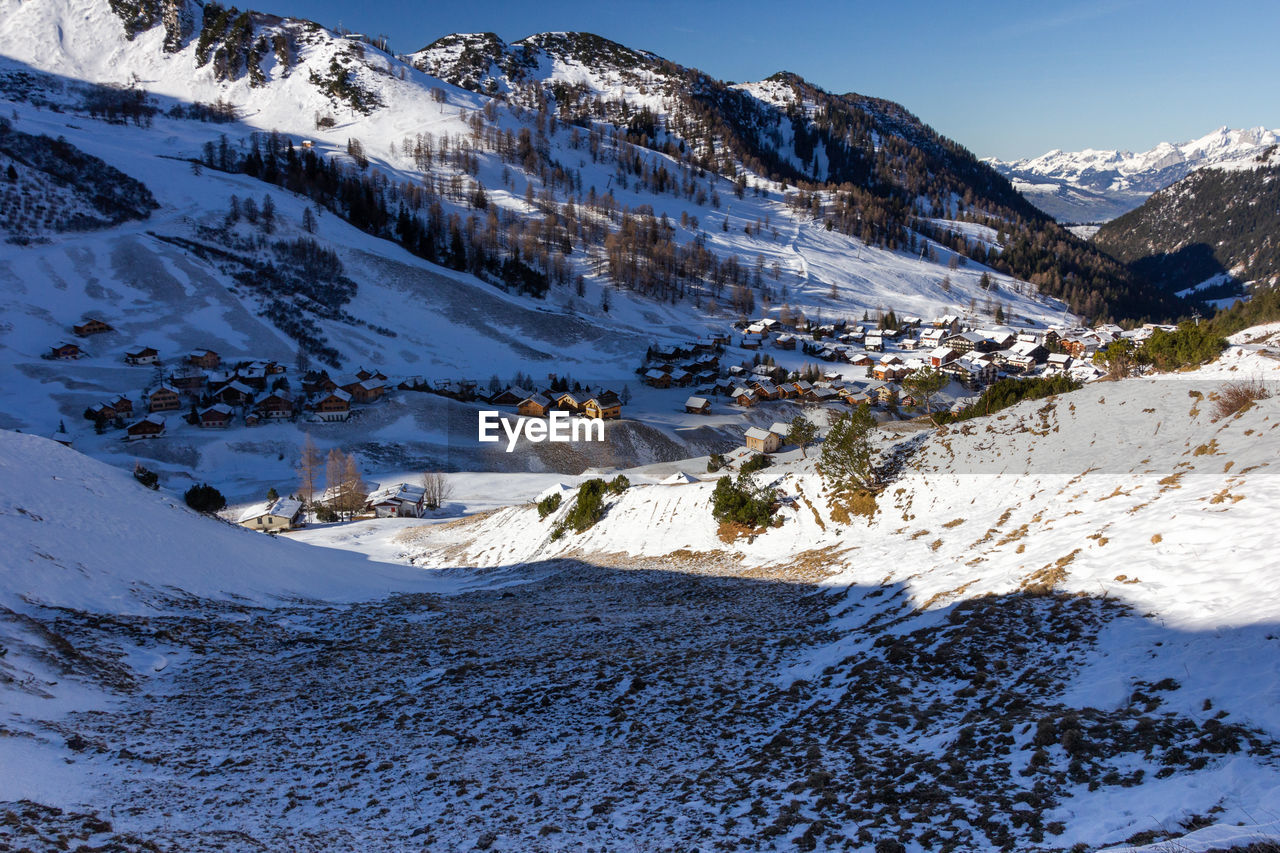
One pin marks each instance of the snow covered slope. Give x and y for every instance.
(1058, 629)
(1098, 185)
(79, 534)
(1127, 497)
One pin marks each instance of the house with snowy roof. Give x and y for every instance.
(272, 516)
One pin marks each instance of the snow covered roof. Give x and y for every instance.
(696, 402)
(780, 428)
(399, 493)
(756, 432)
(679, 478)
(283, 507)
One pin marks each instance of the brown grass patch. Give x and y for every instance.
(1043, 581)
(1237, 397)
(845, 507)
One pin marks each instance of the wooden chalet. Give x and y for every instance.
(510, 396)
(534, 406)
(65, 352)
(152, 426)
(744, 397)
(334, 406)
(824, 395)
(233, 393)
(657, 379)
(274, 407)
(100, 413)
(142, 355)
(942, 355)
(762, 440)
(122, 405)
(605, 405)
(697, 406)
(949, 323)
(206, 359)
(884, 394)
(365, 390)
(253, 375)
(1078, 346)
(765, 390)
(969, 342)
(217, 416)
(164, 399)
(567, 401)
(191, 382)
(92, 326)
(1058, 362)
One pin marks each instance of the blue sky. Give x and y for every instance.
(1006, 79)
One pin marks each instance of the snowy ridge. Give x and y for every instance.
(1144, 170)
(1099, 185)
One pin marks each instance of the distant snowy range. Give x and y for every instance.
(1094, 186)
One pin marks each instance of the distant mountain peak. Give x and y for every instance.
(1097, 184)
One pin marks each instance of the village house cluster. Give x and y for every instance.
(205, 393)
(201, 390)
(602, 403)
(971, 356)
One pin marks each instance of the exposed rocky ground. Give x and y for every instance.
(600, 707)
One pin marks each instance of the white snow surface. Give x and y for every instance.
(80, 534)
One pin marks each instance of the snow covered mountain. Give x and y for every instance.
(431, 231)
(1209, 232)
(1098, 185)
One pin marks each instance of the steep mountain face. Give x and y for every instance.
(482, 62)
(1099, 185)
(865, 166)
(1215, 227)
